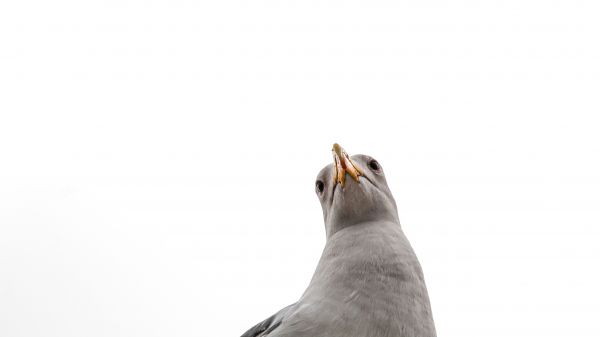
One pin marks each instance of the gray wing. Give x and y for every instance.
(265, 327)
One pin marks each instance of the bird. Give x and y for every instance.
(368, 281)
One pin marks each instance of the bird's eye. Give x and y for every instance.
(374, 165)
(319, 186)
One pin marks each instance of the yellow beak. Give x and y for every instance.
(344, 164)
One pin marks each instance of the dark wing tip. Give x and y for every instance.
(265, 327)
(262, 328)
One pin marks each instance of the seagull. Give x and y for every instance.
(368, 282)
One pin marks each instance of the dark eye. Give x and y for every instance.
(319, 186)
(374, 165)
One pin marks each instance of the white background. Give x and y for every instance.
(157, 159)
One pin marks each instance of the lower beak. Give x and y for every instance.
(344, 164)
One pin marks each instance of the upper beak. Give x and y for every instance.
(344, 164)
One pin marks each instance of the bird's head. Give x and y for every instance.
(364, 196)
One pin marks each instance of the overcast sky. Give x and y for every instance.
(157, 160)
